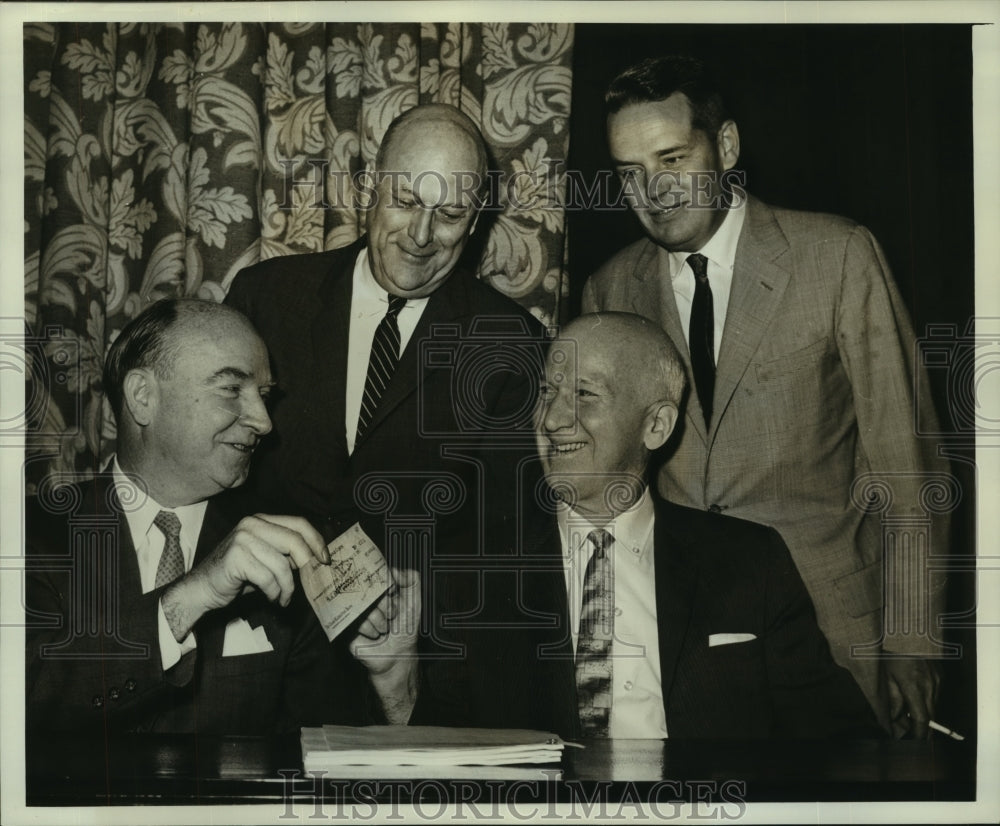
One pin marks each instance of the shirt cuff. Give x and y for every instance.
(171, 651)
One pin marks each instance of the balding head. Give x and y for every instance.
(188, 380)
(434, 119)
(152, 339)
(613, 385)
(648, 358)
(425, 203)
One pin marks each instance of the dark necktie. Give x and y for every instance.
(593, 647)
(172, 559)
(382, 364)
(701, 335)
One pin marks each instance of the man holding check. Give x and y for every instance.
(151, 606)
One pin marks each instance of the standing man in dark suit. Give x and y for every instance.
(405, 385)
(150, 610)
(799, 351)
(631, 617)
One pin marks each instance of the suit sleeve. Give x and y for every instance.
(812, 696)
(877, 347)
(81, 678)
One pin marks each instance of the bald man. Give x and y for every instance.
(631, 617)
(418, 432)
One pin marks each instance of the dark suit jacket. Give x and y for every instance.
(436, 474)
(449, 432)
(93, 658)
(714, 575)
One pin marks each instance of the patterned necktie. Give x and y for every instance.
(172, 559)
(701, 335)
(593, 648)
(382, 364)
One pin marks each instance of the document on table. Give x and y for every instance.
(431, 751)
(355, 578)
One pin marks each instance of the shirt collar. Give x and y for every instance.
(631, 529)
(720, 249)
(141, 509)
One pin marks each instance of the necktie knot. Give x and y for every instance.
(699, 266)
(396, 304)
(601, 540)
(169, 524)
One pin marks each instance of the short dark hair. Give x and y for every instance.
(148, 342)
(657, 78)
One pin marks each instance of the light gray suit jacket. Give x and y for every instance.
(814, 424)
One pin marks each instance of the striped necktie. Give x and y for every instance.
(593, 648)
(172, 559)
(382, 364)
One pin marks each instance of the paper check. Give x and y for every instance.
(355, 578)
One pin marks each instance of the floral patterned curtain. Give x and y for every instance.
(160, 159)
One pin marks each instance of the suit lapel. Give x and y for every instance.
(654, 298)
(759, 281)
(676, 573)
(129, 580)
(330, 335)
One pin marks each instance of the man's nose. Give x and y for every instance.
(422, 226)
(255, 416)
(558, 412)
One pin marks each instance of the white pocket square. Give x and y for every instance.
(728, 639)
(241, 639)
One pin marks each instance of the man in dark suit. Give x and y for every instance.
(799, 349)
(629, 616)
(152, 607)
(424, 452)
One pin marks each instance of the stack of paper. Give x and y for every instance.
(431, 752)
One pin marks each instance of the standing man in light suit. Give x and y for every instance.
(799, 351)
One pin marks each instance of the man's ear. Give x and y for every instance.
(660, 421)
(140, 395)
(728, 144)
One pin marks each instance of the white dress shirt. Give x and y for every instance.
(369, 304)
(637, 696)
(721, 254)
(140, 511)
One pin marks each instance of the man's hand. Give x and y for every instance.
(913, 689)
(259, 552)
(386, 645)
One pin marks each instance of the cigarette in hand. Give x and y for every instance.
(954, 735)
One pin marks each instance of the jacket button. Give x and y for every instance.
(113, 694)
(715, 508)
(130, 685)
(98, 701)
